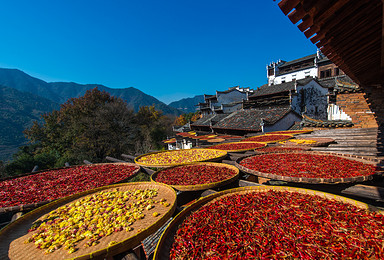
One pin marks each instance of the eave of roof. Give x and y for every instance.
(289, 63)
(348, 32)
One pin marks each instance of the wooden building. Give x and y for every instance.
(224, 102)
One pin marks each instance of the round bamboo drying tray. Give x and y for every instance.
(314, 180)
(282, 149)
(205, 186)
(166, 240)
(218, 157)
(319, 142)
(13, 236)
(217, 147)
(31, 206)
(215, 140)
(255, 138)
(290, 132)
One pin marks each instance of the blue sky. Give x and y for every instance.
(170, 49)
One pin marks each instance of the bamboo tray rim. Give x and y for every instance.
(320, 141)
(205, 186)
(30, 206)
(302, 149)
(238, 150)
(114, 249)
(165, 242)
(274, 141)
(224, 154)
(361, 178)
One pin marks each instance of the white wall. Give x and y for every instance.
(336, 113)
(301, 74)
(315, 100)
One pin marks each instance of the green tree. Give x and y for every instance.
(154, 127)
(90, 127)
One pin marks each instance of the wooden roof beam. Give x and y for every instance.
(286, 5)
(336, 21)
(321, 14)
(296, 15)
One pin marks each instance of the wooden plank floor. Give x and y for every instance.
(356, 141)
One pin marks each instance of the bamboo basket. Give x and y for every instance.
(164, 245)
(302, 148)
(31, 206)
(217, 147)
(12, 236)
(319, 142)
(254, 138)
(313, 180)
(222, 155)
(207, 185)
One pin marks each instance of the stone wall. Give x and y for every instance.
(357, 107)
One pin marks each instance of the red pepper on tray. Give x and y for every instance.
(268, 138)
(307, 165)
(194, 174)
(54, 184)
(279, 225)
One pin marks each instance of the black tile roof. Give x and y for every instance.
(311, 122)
(340, 83)
(283, 87)
(208, 119)
(312, 56)
(250, 119)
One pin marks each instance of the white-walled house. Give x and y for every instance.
(305, 96)
(224, 102)
(282, 71)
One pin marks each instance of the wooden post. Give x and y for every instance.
(113, 159)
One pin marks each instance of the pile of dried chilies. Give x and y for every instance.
(54, 184)
(279, 225)
(269, 138)
(194, 174)
(237, 146)
(308, 165)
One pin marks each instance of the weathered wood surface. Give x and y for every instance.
(356, 141)
(371, 192)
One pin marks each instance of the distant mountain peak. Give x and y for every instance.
(187, 105)
(60, 92)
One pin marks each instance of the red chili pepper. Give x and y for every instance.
(237, 146)
(268, 138)
(279, 225)
(54, 184)
(194, 174)
(307, 165)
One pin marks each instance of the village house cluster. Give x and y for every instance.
(309, 92)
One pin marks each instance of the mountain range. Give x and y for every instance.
(24, 98)
(187, 105)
